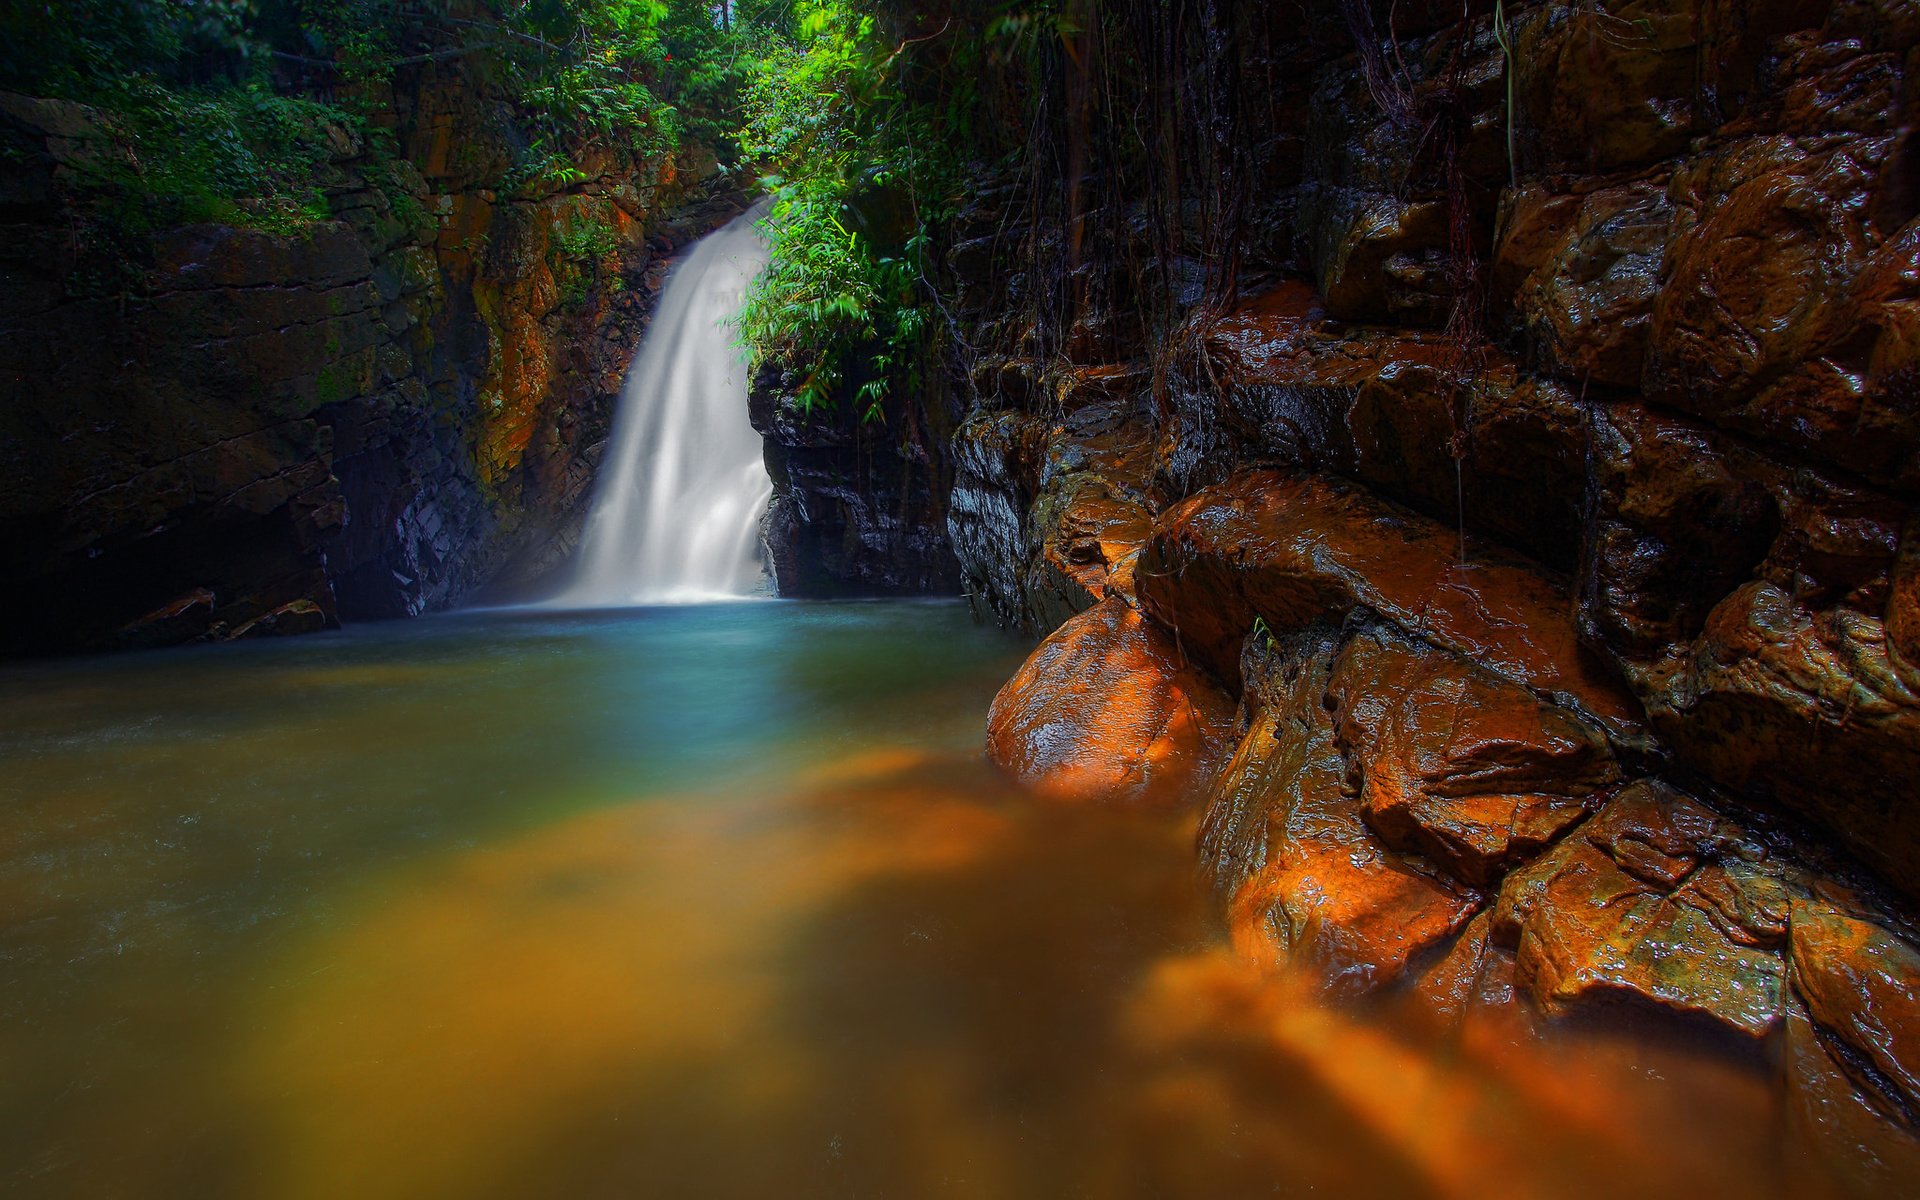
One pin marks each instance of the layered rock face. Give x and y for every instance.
(859, 506)
(1542, 494)
(224, 432)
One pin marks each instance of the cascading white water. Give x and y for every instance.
(676, 511)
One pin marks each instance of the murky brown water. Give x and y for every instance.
(708, 903)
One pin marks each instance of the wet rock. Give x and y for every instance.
(181, 620)
(1602, 89)
(859, 506)
(1861, 985)
(296, 616)
(1277, 382)
(1106, 710)
(1854, 1138)
(1501, 451)
(1587, 273)
(1475, 973)
(1458, 764)
(1376, 203)
(1306, 880)
(1047, 515)
(1093, 512)
(1783, 314)
(1291, 549)
(1805, 709)
(1636, 909)
(996, 458)
(1681, 518)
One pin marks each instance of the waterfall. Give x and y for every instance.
(676, 510)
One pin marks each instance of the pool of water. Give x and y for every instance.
(707, 902)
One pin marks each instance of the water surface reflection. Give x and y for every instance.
(701, 902)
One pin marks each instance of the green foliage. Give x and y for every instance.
(180, 87)
(232, 110)
(856, 183)
(239, 155)
(582, 72)
(585, 253)
(832, 304)
(589, 240)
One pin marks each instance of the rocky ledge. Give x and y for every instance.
(1415, 780)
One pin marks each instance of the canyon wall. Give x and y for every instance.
(1492, 487)
(219, 431)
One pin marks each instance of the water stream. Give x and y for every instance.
(676, 509)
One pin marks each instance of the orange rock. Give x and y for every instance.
(1459, 764)
(1309, 882)
(1624, 911)
(1599, 100)
(1388, 407)
(1856, 1140)
(1784, 315)
(1474, 973)
(1291, 549)
(1095, 506)
(1861, 985)
(1903, 609)
(1107, 710)
(1340, 902)
(1805, 708)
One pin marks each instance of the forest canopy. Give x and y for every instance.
(856, 118)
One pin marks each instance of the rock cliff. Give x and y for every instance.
(217, 431)
(1533, 466)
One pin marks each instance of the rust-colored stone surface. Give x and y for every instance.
(1861, 985)
(1458, 764)
(1559, 451)
(1305, 879)
(1094, 508)
(1474, 974)
(1106, 711)
(1047, 515)
(1586, 272)
(1855, 1136)
(1290, 549)
(1630, 910)
(1806, 708)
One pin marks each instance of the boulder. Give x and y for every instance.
(1861, 985)
(1290, 549)
(1306, 880)
(1801, 708)
(1784, 313)
(1458, 764)
(1094, 509)
(1853, 1135)
(1647, 906)
(1107, 710)
(1584, 272)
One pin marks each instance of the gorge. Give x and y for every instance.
(1349, 622)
